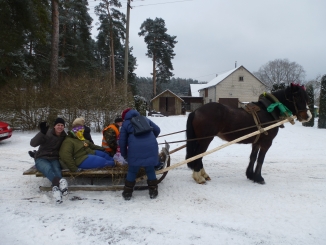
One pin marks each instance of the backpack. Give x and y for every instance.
(141, 125)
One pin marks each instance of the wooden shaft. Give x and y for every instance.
(177, 149)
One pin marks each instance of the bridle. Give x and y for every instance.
(293, 101)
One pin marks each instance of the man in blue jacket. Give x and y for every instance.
(140, 151)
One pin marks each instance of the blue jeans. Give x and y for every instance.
(49, 168)
(133, 171)
(99, 160)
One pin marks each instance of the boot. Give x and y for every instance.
(128, 189)
(63, 186)
(57, 194)
(152, 187)
(56, 190)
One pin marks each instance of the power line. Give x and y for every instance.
(160, 3)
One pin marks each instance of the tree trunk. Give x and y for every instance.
(112, 66)
(55, 43)
(154, 77)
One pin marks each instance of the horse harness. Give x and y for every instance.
(252, 109)
(266, 99)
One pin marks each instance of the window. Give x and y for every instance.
(241, 79)
(206, 92)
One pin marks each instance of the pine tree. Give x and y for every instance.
(23, 24)
(322, 104)
(311, 97)
(111, 31)
(160, 49)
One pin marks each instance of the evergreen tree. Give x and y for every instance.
(24, 24)
(160, 49)
(76, 45)
(140, 104)
(310, 93)
(322, 104)
(111, 30)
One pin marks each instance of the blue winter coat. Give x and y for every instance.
(140, 150)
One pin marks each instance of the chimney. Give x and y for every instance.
(235, 65)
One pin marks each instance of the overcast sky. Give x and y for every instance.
(214, 34)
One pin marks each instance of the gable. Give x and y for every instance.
(226, 76)
(167, 93)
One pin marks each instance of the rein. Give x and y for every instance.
(172, 142)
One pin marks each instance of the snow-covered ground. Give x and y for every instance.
(289, 209)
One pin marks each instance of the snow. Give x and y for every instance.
(289, 209)
(195, 89)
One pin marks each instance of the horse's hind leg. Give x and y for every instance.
(253, 157)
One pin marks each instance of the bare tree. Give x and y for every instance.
(278, 71)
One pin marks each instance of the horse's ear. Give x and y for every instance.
(296, 86)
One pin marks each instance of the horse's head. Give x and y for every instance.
(297, 96)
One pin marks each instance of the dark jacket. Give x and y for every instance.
(141, 150)
(49, 144)
(74, 151)
(87, 134)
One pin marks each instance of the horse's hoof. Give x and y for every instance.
(204, 174)
(250, 176)
(198, 177)
(262, 182)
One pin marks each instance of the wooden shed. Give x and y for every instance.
(167, 103)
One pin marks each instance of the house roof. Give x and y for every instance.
(219, 78)
(223, 76)
(164, 92)
(194, 89)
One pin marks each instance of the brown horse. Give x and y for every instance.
(215, 119)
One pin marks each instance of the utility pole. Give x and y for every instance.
(127, 49)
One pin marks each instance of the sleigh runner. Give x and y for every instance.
(109, 175)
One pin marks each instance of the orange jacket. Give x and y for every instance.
(104, 143)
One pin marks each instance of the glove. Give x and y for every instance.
(44, 127)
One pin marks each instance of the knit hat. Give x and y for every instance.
(124, 113)
(78, 121)
(59, 120)
(118, 119)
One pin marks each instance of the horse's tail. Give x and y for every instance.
(190, 145)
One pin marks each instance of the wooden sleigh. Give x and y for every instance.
(110, 179)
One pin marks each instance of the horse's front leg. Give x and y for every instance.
(253, 157)
(261, 156)
(204, 174)
(197, 172)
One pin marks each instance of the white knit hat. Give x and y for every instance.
(78, 121)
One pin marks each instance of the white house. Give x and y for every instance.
(233, 87)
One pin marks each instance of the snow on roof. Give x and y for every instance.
(167, 90)
(194, 89)
(219, 78)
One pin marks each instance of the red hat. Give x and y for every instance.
(124, 113)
